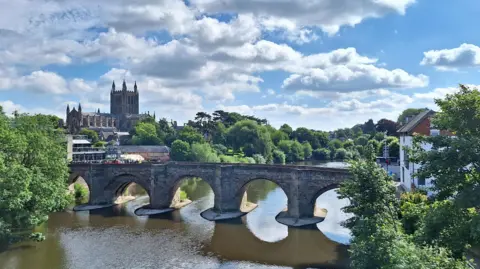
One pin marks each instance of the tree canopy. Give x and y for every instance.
(33, 173)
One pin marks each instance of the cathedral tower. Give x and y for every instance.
(124, 101)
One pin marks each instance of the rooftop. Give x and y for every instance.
(415, 121)
(151, 149)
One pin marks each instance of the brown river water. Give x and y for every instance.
(116, 238)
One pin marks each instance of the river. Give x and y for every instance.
(116, 238)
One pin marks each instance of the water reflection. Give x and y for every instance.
(116, 238)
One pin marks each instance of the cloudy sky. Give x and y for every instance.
(322, 64)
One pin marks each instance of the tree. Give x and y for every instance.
(251, 138)
(348, 144)
(394, 149)
(388, 126)
(379, 136)
(33, 174)
(307, 150)
(180, 151)
(322, 138)
(369, 127)
(277, 136)
(219, 133)
(361, 141)
(190, 135)
(91, 134)
(454, 164)
(146, 134)
(259, 159)
(278, 156)
(410, 112)
(203, 152)
(340, 154)
(286, 129)
(335, 144)
(293, 150)
(321, 154)
(378, 241)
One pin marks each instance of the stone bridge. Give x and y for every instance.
(301, 184)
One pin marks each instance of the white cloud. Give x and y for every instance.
(467, 55)
(346, 78)
(329, 15)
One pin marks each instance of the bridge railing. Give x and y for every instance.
(258, 166)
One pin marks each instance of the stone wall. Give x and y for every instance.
(301, 184)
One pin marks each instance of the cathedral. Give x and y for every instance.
(124, 113)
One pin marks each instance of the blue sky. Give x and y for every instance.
(322, 64)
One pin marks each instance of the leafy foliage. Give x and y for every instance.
(180, 151)
(33, 172)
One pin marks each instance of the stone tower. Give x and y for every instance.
(124, 101)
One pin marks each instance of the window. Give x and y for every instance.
(434, 132)
(403, 174)
(406, 162)
(421, 182)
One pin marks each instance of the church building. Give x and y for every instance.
(124, 113)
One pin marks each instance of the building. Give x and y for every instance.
(149, 153)
(417, 125)
(79, 148)
(124, 113)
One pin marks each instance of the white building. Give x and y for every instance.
(418, 125)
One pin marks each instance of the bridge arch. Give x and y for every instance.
(318, 193)
(119, 183)
(243, 185)
(179, 180)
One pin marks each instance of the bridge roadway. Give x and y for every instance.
(301, 184)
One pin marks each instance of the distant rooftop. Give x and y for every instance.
(81, 141)
(151, 149)
(415, 121)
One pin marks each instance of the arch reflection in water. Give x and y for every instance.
(331, 226)
(271, 200)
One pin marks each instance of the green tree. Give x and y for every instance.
(379, 137)
(335, 144)
(369, 127)
(146, 134)
(394, 148)
(348, 145)
(286, 129)
(33, 174)
(180, 151)
(190, 135)
(219, 133)
(340, 154)
(91, 134)
(278, 157)
(321, 154)
(362, 141)
(293, 150)
(377, 238)
(220, 149)
(259, 159)
(278, 136)
(252, 138)
(307, 150)
(203, 152)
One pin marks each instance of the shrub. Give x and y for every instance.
(259, 159)
(321, 154)
(278, 156)
(80, 191)
(340, 154)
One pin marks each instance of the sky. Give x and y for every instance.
(320, 64)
